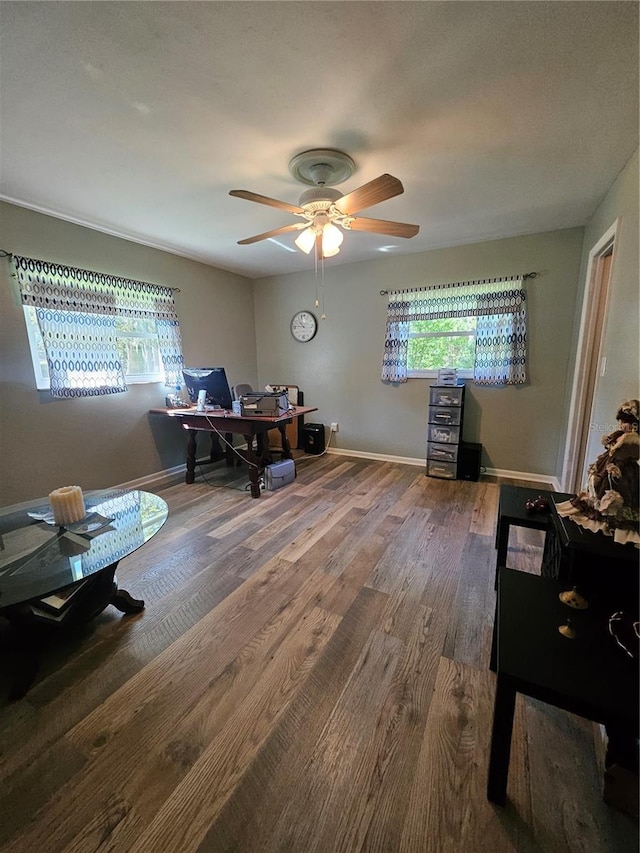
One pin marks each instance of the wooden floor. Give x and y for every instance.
(310, 674)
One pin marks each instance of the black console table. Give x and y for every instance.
(589, 675)
(512, 512)
(583, 558)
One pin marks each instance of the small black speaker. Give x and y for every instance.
(469, 457)
(313, 438)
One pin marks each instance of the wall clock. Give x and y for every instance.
(303, 326)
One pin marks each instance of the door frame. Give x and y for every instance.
(590, 338)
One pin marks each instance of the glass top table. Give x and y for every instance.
(37, 558)
(53, 577)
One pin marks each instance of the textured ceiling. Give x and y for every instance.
(137, 118)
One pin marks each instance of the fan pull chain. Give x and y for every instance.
(315, 258)
(323, 316)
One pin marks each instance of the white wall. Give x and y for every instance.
(99, 441)
(520, 428)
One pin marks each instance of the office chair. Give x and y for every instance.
(239, 390)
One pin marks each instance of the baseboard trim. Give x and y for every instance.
(524, 475)
(379, 457)
(157, 477)
(421, 463)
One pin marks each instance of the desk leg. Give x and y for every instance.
(254, 470)
(229, 455)
(286, 446)
(503, 710)
(191, 457)
(502, 544)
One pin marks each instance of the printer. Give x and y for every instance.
(263, 403)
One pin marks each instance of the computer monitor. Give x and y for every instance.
(213, 380)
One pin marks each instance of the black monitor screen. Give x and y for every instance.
(213, 380)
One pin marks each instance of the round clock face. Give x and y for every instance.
(304, 326)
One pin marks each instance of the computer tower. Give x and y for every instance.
(313, 438)
(469, 458)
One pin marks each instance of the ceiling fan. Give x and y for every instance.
(323, 209)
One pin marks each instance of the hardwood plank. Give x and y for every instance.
(447, 789)
(184, 819)
(559, 819)
(332, 812)
(324, 480)
(485, 510)
(287, 515)
(469, 632)
(250, 815)
(359, 567)
(406, 712)
(376, 519)
(168, 757)
(307, 538)
(222, 631)
(48, 771)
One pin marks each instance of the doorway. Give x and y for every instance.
(589, 364)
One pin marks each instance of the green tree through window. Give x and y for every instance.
(448, 342)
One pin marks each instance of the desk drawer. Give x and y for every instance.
(444, 415)
(443, 434)
(442, 452)
(444, 470)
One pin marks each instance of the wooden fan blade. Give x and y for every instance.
(380, 189)
(263, 199)
(383, 226)
(296, 226)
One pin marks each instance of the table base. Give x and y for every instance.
(32, 632)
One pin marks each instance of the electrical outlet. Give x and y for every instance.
(334, 427)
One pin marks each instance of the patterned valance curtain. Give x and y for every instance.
(77, 311)
(501, 330)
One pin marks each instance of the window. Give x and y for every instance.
(137, 342)
(447, 342)
(478, 327)
(92, 334)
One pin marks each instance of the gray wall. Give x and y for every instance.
(621, 335)
(96, 442)
(521, 428)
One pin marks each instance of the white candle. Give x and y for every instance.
(67, 504)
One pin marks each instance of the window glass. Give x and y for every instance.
(447, 342)
(137, 347)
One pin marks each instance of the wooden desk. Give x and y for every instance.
(220, 421)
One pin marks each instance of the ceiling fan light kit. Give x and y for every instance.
(323, 209)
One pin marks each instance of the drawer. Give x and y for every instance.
(445, 470)
(445, 396)
(443, 434)
(442, 452)
(445, 415)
